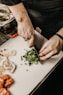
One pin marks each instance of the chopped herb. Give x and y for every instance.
(21, 58)
(25, 63)
(31, 57)
(26, 69)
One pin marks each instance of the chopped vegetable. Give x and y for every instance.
(31, 56)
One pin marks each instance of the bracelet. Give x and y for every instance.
(59, 36)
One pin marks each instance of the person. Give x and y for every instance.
(49, 19)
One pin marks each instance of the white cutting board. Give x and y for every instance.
(27, 77)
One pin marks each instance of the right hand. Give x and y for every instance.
(25, 27)
(26, 30)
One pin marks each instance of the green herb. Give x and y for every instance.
(31, 57)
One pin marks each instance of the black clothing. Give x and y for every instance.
(10, 2)
(47, 14)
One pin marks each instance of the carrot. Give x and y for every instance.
(14, 35)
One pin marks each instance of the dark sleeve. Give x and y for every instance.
(10, 2)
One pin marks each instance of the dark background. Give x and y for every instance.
(53, 85)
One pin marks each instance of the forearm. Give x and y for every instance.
(60, 32)
(19, 12)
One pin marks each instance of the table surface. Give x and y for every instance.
(29, 77)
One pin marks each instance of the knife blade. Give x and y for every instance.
(37, 51)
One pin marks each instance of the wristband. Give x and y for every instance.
(59, 36)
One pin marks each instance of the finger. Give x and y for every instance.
(23, 34)
(20, 33)
(43, 47)
(26, 34)
(31, 41)
(29, 33)
(47, 56)
(26, 37)
(45, 51)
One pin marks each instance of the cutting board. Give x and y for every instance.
(28, 77)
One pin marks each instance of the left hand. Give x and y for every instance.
(50, 48)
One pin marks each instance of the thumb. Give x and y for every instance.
(31, 41)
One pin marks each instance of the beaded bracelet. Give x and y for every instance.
(59, 36)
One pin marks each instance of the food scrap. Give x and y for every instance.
(14, 35)
(5, 82)
(31, 57)
(5, 62)
(7, 53)
(9, 65)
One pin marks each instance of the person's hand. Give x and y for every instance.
(26, 30)
(50, 48)
(25, 27)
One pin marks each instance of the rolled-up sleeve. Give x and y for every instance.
(10, 2)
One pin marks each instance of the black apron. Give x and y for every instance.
(47, 14)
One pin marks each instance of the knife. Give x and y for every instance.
(37, 51)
